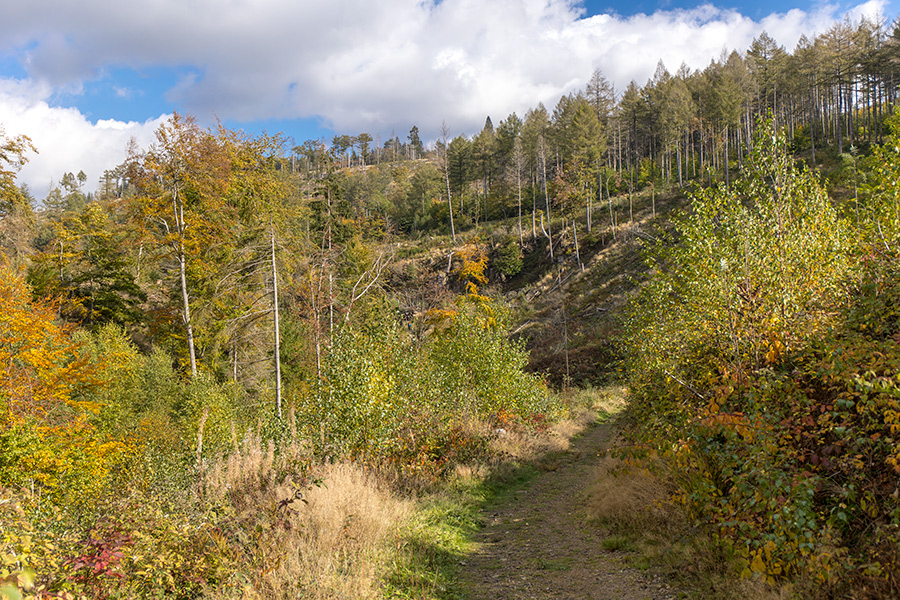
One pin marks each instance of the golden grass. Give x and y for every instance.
(341, 547)
(610, 399)
(317, 533)
(757, 589)
(632, 498)
(528, 446)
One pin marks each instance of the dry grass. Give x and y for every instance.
(610, 399)
(527, 446)
(317, 533)
(632, 498)
(341, 547)
(760, 590)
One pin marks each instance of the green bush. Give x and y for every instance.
(763, 366)
(423, 405)
(508, 257)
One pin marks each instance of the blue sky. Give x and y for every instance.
(81, 79)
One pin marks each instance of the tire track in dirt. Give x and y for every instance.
(539, 545)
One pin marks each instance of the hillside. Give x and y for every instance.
(231, 374)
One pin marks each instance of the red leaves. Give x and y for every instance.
(103, 557)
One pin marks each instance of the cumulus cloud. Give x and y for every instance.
(359, 65)
(64, 138)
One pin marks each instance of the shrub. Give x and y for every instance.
(508, 256)
(763, 361)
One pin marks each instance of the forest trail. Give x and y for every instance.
(540, 544)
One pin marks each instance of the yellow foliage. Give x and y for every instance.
(40, 365)
(48, 437)
(441, 319)
(474, 262)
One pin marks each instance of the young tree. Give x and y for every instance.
(537, 122)
(589, 144)
(261, 192)
(485, 154)
(518, 164)
(16, 213)
(85, 267)
(12, 159)
(415, 148)
(444, 157)
(182, 182)
(364, 140)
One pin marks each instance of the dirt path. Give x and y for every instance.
(540, 546)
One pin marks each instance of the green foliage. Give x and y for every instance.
(480, 371)
(12, 158)
(85, 267)
(747, 280)
(881, 187)
(419, 406)
(21, 554)
(763, 364)
(359, 404)
(106, 447)
(508, 257)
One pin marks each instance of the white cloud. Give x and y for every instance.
(64, 138)
(356, 64)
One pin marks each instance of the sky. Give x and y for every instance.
(83, 78)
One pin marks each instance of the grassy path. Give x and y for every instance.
(537, 543)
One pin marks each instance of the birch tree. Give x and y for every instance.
(182, 181)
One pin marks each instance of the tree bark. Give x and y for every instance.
(277, 326)
(178, 208)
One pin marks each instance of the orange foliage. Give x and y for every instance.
(40, 365)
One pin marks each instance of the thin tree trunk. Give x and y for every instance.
(533, 207)
(612, 224)
(519, 189)
(543, 157)
(277, 327)
(577, 253)
(727, 172)
(588, 213)
(446, 150)
(178, 208)
(330, 308)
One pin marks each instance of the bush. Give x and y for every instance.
(508, 257)
(762, 361)
(419, 406)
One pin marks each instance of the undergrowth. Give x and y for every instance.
(147, 486)
(763, 367)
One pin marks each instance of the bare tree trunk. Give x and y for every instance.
(517, 152)
(577, 253)
(533, 208)
(678, 157)
(178, 208)
(543, 158)
(727, 173)
(565, 325)
(277, 327)
(588, 211)
(330, 308)
(612, 225)
(444, 134)
(316, 327)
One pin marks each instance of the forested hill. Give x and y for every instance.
(228, 320)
